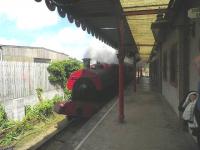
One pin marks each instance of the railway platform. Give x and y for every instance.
(150, 124)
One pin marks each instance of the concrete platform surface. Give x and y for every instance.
(150, 124)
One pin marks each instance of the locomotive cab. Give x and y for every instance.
(88, 84)
(84, 90)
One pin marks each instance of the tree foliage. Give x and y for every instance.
(60, 71)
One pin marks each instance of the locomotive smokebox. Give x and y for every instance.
(86, 62)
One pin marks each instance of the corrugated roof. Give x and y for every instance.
(140, 15)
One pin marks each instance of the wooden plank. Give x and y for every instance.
(146, 6)
(145, 12)
(19, 79)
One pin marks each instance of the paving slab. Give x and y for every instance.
(150, 124)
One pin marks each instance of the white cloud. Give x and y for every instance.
(5, 41)
(78, 44)
(28, 14)
(68, 40)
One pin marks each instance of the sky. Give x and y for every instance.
(28, 23)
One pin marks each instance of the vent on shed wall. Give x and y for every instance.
(41, 60)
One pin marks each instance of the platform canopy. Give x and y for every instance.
(101, 18)
(140, 14)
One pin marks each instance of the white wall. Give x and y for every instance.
(170, 92)
(194, 48)
(15, 108)
(175, 35)
(21, 79)
(171, 95)
(18, 84)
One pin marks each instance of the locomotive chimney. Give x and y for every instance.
(86, 63)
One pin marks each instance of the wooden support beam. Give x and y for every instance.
(146, 6)
(144, 12)
(96, 15)
(141, 73)
(150, 45)
(145, 54)
(126, 13)
(138, 75)
(146, 45)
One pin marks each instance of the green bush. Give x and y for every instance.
(40, 112)
(39, 92)
(67, 94)
(57, 98)
(3, 117)
(60, 70)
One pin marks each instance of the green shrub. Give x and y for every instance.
(39, 92)
(57, 98)
(15, 129)
(67, 94)
(60, 70)
(40, 112)
(3, 117)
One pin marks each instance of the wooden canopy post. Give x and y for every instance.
(141, 73)
(138, 75)
(121, 56)
(135, 75)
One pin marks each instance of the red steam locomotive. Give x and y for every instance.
(88, 85)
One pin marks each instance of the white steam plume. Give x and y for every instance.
(98, 51)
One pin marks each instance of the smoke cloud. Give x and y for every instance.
(98, 51)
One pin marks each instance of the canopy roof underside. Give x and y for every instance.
(140, 14)
(100, 18)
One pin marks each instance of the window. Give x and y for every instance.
(165, 66)
(173, 65)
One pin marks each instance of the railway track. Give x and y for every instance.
(60, 139)
(64, 138)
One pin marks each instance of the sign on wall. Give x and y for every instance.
(194, 13)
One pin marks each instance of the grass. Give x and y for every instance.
(39, 131)
(37, 118)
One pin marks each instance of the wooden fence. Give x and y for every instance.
(20, 79)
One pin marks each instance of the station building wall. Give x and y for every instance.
(188, 47)
(170, 90)
(175, 54)
(194, 48)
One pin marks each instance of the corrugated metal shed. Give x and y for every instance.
(29, 54)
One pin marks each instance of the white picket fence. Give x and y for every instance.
(21, 79)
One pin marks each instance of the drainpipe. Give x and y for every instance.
(135, 75)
